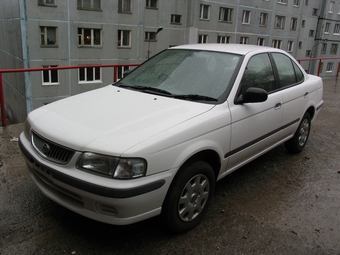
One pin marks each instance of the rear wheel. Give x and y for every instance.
(299, 140)
(189, 196)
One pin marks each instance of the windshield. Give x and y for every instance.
(184, 73)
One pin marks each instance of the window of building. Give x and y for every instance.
(202, 38)
(339, 9)
(334, 48)
(204, 11)
(336, 29)
(300, 45)
(92, 5)
(263, 19)
(324, 48)
(303, 24)
(48, 36)
(329, 67)
(282, 1)
(176, 19)
(277, 44)
(331, 7)
(280, 22)
(223, 39)
(124, 6)
(88, 37)
(290, 46)
(293, 24)
(296, 3)
(311, 33)
(306, 2)
(261, 41)
(150, 36)
(47, 2)
(122, 70)
(50, 77)
(244, 40)
(152, 4)
(246, 17)
(124, 38)
(308, 53)
(226, 14)
(315, 12)
(327, 26)
(89, 74)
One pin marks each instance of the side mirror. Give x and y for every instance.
(252, 95)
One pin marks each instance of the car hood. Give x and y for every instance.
(111, 120)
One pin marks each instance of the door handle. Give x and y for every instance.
(277, 105)
(306, 94)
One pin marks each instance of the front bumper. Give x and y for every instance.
(117, 202)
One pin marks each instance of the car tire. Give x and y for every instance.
(188, 197)
(299, 140)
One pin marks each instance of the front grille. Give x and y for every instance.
(51, 151)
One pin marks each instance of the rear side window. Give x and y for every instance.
(289, 72)
(258, 74)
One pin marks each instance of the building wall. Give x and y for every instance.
(21, 22)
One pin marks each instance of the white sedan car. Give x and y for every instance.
(156, 142)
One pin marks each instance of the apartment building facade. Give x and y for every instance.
(45, 33)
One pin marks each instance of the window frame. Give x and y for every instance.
(290, 46)
(202, 38)
(279, 22)
(263, 22)
(246, 17)
(86, 74)
(334, 49)
(122, 33)
(336, 30)
(51, 74)
(202, 12)
(80, 5)
(228, 14)
(151, 4)
(44, 3)
(327, 27)
(223, 39)
(244, 40)
(293, 24)
(282, 2)
(174, 17)
(329, 67)
(150, 36)
(93, 37)
(331, 6)
(125, 8)
(261, 41)
(44, 34)
(296, 3)
(323, 48)
(277, 44)
(311, 33)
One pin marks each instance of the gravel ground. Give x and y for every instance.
(278, 204)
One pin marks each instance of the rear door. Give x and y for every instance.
(255, 126)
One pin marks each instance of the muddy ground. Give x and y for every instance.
(278, 204)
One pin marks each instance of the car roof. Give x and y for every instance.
(241, 49)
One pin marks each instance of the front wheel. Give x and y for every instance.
(189, 196)
(299, 140)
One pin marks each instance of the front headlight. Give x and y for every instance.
(120, 168)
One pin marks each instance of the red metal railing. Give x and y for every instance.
(20, 70)
(320, 63)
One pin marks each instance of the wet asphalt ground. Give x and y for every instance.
(278, 204)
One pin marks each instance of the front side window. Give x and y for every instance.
(91, 5)
(124, 6)
(47, 2)
(124, 38)
(258, 74)
(48, 36)
(50, 77)
(88, 37)
(204, 11)
(289, 72)
(89, 74)
(280, 22)
(246, 17)
(226, 14)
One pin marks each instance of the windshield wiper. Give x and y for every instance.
(195, 97)
(147, 89)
